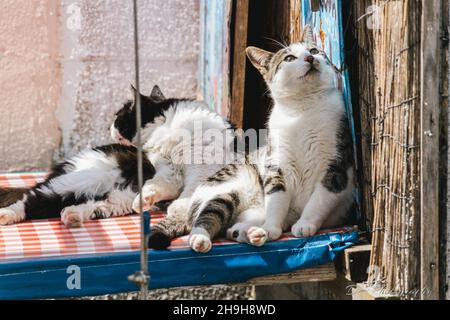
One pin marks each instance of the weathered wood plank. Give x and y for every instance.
(444, 267)
(239, 64)
(322, 273)
(430, 115)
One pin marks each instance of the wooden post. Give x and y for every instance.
(430, 116)
(444, 267)
(295, 27)
(236, 115)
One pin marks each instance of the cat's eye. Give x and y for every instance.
(314, 51)
(290, 58)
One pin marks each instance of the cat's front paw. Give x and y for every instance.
(72, 217)
(303, 229)
(257, 236)
(8, 217)
(273, 232)
(200, 241)
(150, 196)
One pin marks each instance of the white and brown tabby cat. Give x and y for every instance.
(304, 179)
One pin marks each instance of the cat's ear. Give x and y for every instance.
(259, 58)
(157, 94)
(134, 91)
(308, 36)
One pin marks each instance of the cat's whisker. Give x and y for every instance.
(284, 46)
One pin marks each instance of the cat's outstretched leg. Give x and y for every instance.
(118, 203)
(177, 223)
(209, 219)
(41, 202)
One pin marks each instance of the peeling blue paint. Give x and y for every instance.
(214, 77)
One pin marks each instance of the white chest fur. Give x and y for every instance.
(304, 142)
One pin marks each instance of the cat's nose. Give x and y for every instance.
(309, 59)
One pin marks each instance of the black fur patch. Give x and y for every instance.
(158, 240)
(276, 188)
(125, 121)
(151, 109)
(336, 179)
(41, 205)
(163, 205)
(274, 181)
(59, 169)
(127, 159)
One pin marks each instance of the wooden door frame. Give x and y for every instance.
(430, 105)
(239, 62)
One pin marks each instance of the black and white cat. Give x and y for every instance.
(102, 182)
(303, 179)
(97, 183)
(186, 142)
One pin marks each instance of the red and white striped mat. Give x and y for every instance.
(50, 238)
(46, 238)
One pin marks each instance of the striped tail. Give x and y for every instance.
(171, 227)
(9, 196)
(216, 215)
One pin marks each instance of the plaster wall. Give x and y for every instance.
(66, 67)
(30, 83)
(98, 61)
